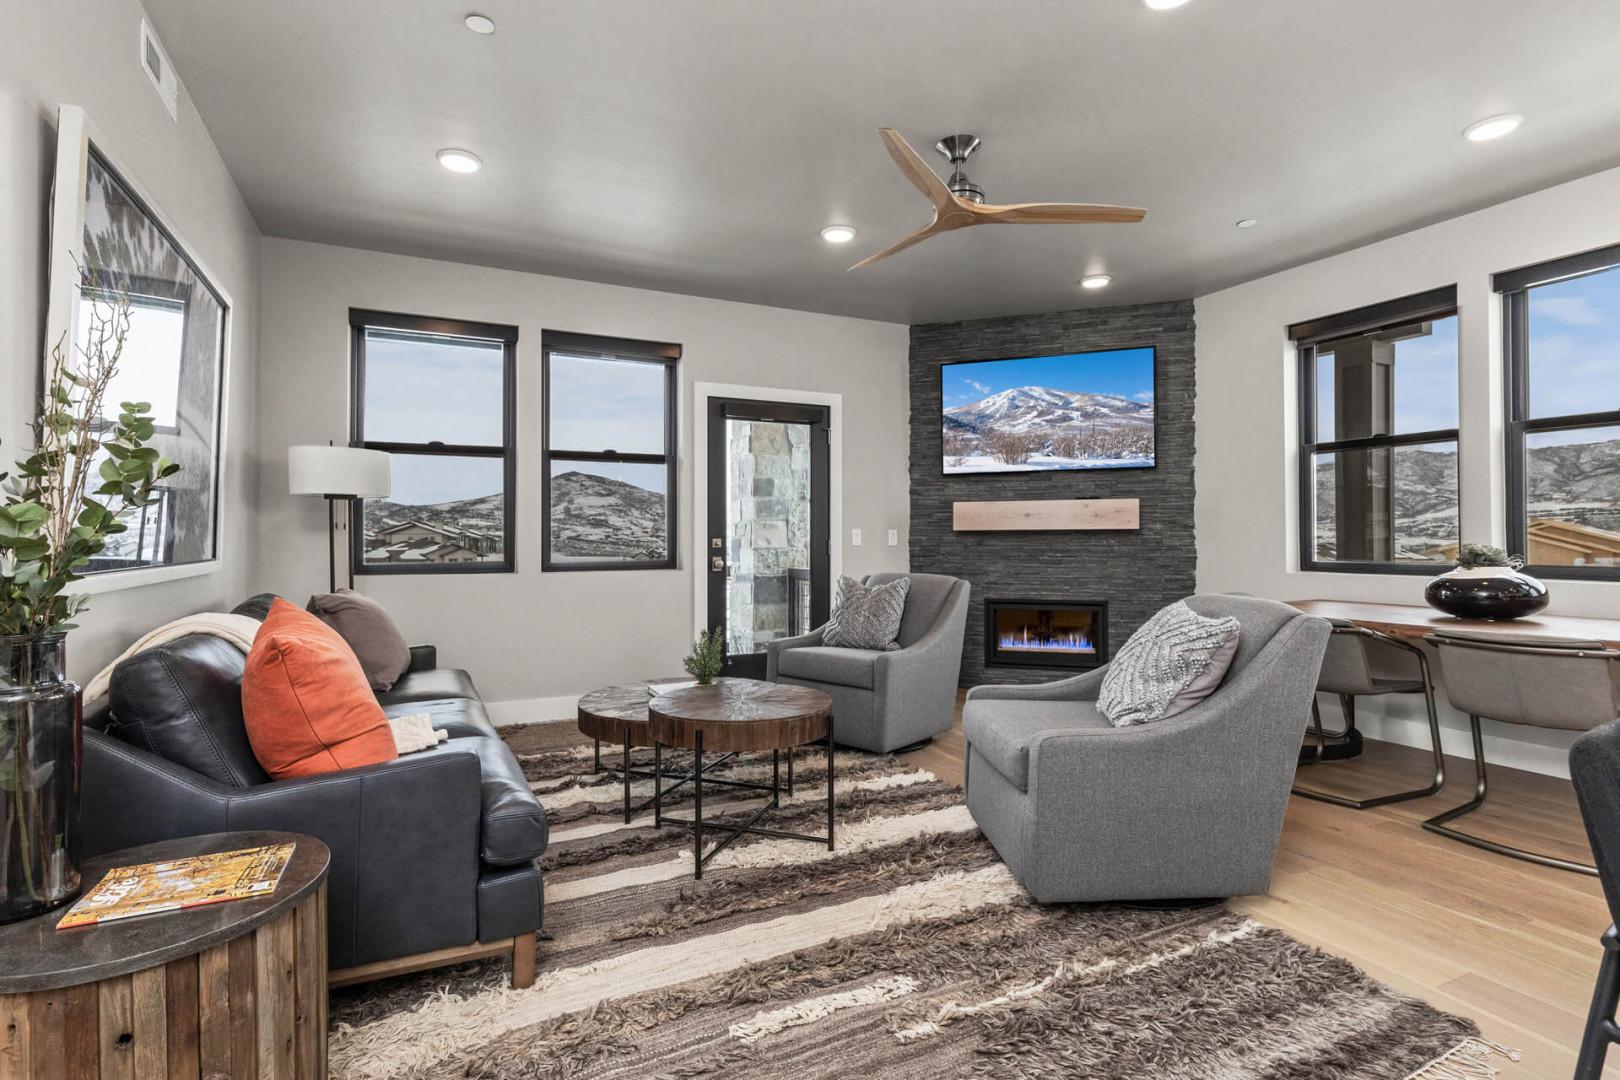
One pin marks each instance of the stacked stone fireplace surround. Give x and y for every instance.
(1135, 572)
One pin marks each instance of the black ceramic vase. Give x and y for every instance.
(40, 714)
(1486, 592)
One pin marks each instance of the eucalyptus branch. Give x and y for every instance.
(62, 506)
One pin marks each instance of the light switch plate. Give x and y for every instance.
(894, 537)
(854, 538)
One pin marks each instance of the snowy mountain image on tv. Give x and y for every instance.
(1075, 411)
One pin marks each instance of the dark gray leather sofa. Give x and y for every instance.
(433, 854)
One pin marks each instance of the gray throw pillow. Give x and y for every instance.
(1174, 660)
(866, 617)
(369, 631)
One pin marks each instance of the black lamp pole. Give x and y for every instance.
(331, 542)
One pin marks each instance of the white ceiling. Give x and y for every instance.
(698, 146)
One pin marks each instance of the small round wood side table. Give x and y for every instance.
(618, 715)
(732, 716)
(229, 989)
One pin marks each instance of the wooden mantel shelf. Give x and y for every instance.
(1032, 515)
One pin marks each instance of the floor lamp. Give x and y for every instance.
(337, 472)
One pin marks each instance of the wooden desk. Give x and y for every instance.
(1416, 620)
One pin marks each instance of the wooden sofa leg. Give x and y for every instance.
(523, 961)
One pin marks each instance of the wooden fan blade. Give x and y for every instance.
(917, 171)
(900, 245)
(1058, 213)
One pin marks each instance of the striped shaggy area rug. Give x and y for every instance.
(909, 951)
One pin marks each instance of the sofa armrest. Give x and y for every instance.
(423, 658)
(773, 649)
(131, 797)
(1083, 687)
(404, 837)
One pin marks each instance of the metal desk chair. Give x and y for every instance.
(1551, 683)
(1594, 766)
(1347, 670)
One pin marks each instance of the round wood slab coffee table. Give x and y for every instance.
(618, 715)
(732, 716)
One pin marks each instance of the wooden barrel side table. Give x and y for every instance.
(232, 989)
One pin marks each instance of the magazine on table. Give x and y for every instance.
(128, 892)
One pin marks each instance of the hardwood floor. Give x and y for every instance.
(1511, 945)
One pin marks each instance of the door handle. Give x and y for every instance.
(717, 565)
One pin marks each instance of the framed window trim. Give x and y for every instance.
(1514, 287)
(77, 142)
(360, 320)
(610, 348)
(1307, 336)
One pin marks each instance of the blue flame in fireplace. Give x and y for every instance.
(1027, 640)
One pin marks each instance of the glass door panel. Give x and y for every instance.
(768, 521)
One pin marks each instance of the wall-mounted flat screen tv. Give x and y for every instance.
(1089, 410)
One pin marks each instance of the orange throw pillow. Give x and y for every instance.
(308, 706)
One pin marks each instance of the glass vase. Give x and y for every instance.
(40, 746)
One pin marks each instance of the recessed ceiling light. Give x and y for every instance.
(460, 161)
(1095, 281)
(1492, 127)
(480, 24)
(838, 234)
(1248, 222)
(1163, 5)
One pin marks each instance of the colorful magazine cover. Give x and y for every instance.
(175, 884)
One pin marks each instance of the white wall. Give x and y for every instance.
(85, 53)
(1246, 414)
(529, 635)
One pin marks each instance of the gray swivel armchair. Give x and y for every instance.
(1186, 807)
(884, 701)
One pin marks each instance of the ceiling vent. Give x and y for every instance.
(155, 62)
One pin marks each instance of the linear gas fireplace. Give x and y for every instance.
(1045, 633)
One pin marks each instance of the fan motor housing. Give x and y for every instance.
(958, 148)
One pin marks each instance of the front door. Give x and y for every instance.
(767, 550)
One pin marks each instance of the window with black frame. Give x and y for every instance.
(609, 453)
(437, 395)
(1562, 338)
(1378, 436)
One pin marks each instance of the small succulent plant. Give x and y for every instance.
(1473, 556)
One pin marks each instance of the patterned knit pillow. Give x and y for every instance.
(866, 617)
(1173, 661)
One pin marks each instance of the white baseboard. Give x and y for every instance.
(1539, 750)
(532, 710)
(1550, 757)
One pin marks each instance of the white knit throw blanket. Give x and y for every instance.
(236, 629)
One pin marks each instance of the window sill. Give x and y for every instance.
(1378, 569)
(140, 577)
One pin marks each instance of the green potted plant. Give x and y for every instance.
(707, 657)
(1487, 584)
(57, 510)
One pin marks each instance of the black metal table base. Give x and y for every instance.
(697, 779)
(625, 772)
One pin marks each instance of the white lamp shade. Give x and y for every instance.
(337, 470)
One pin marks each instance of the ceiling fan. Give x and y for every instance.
(959, 202)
